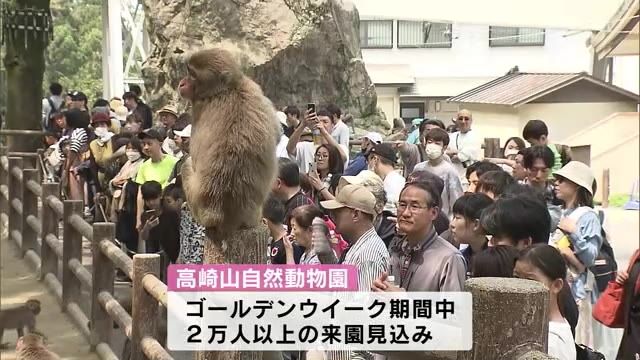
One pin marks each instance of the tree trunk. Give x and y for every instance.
(244, 246)
(24, 62)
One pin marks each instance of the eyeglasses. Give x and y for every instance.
(321, 156)
(413, 208)
(460, 118)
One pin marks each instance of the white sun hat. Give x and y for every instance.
(186, 132)
(579, 173)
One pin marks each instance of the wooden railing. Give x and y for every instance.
(21, 190)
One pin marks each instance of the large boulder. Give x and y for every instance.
(299, 51)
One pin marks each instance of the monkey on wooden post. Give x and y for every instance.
(232, 165)
(19, 317)
(32, 347)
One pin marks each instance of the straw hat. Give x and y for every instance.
(169, 110)
(121, 113)
(578, 173)
(115, 103)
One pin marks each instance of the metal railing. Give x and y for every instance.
(21, 189)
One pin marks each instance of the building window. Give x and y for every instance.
(376, 34)
(410, 111)
(423, 34)
(515, 36)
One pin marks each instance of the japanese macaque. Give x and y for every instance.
(32, 347)
(233, 140)
(232, 165)
(19, 317)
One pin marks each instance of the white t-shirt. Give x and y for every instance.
(305, 152)
(469, 148)
(561, 343)
(341, 133)
(393, 185)
(281, 148)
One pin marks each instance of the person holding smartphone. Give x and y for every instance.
(152, 197)
(303, 152)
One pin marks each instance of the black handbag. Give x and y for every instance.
(584, 352)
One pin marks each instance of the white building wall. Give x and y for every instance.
(471, 56)
(626, 72)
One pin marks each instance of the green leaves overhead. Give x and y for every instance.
(74, 58)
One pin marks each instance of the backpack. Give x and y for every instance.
(605, 267)
(565, 153)
(52, 110)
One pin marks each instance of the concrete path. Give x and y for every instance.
(19, 283)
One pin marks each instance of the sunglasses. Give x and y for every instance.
(464, 118)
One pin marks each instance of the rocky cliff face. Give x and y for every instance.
(299, 51)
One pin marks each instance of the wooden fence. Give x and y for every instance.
(21, 190)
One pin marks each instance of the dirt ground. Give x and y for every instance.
(18, 284)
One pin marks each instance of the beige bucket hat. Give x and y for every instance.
(578, 173)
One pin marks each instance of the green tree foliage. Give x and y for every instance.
(74, 58)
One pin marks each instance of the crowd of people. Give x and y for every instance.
(420, 206)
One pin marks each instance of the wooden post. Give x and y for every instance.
(29, 207)
(48, 257)
(4, 180)
(518, 325)
(145, 307)
(71, 249)
(605, 188)
(41, 176)
(15, 192)
(492, 148)
(103, 274)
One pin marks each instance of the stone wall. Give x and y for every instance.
(299, 51)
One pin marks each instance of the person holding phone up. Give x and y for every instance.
(304, 152)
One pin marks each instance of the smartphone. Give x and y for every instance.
(311, 107)
(312, 167)
(150, 213)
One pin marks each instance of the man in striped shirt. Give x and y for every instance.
(353, 211)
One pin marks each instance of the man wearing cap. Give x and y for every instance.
(382, 159)
(157, 167)
(135, 105)
(181, 138)
(168, 116)
(384, 222)
(353, 211)
(78, 101)
(359, 162)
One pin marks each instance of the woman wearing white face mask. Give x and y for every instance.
(128, 172)
(101, 147)
(508, 160)
(436, 141)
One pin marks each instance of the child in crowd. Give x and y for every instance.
(543, 263)
(465, 226)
